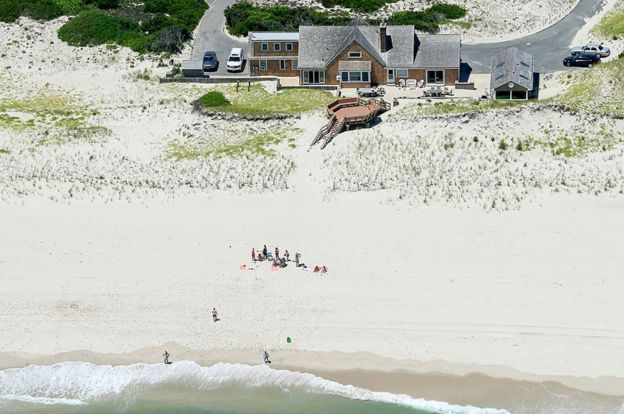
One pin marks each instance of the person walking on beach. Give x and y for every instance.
(166, 355)
(297, 258)
(276, 253)
(265, 356)
(287, 255)
(215, 318)
(253, 254)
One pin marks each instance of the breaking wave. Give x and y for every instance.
(76, 383)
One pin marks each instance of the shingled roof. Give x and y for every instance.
(512, 65)
(437, 51)
(320, 45)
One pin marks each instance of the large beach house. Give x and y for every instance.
(356, 56)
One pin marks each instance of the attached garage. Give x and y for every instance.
(512, 75)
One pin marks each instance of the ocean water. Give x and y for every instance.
(188, 388)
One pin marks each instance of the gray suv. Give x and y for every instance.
(210, 61)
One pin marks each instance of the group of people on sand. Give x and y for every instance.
(281, 262)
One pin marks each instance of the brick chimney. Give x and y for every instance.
(382, 38)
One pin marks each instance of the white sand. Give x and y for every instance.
(108, 245)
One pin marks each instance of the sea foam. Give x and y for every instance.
(82, 383)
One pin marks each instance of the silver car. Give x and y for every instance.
(598, 50)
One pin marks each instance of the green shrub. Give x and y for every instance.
(365, 6)
(71, 7)
(213, 99)
(242, 18)
(94, 27)
(450, 11)
(621, 55)
(10, 10)
(170, 40)
(104, 4)
(430, 19)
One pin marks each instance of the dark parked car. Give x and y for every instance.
(581, 59)
(210, 60)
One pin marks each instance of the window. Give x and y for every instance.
(401, 73)
(277, 47)
(263, 65)
(355, 55)
(313, 76)
(264, 47)
(435, 76)
(346, 76)
(289, 47)
(295, 64)
(282, 64)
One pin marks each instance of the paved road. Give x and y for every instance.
(548, 47)
(211, 36)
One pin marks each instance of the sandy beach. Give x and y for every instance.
(460, 269)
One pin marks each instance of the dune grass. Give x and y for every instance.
(597, 90)
(58, 117)
(258, 102)
(262, 144)
(612, 25)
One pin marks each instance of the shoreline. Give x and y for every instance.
(456, 383)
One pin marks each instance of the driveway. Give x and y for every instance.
(211, 36)
(548, 47)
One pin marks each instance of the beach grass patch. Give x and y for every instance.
(58, 117)
(364, 6)
(258, 102)
(612, 25)
(597, 90)
(255, 144)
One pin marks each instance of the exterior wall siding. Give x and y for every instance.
(378, 71)
(450, 76)
(273, 68)
(257, 51)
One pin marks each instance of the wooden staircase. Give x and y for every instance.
(340, 118)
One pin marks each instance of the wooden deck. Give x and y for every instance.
(344, 113)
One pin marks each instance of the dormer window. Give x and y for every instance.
(355, 55)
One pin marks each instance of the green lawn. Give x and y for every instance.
(258, 102)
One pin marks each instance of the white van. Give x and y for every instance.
(235, 60)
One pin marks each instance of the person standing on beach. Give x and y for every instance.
(297, 258)
(253, 254)
(166, 355)
(276, 253)
(215, 318)
(265, 251)
(287, 255)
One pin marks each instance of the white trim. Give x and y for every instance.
(277, 47)
(291, 47)
(260, 64)
(282, 64)
(358, 56)
(262, 45)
